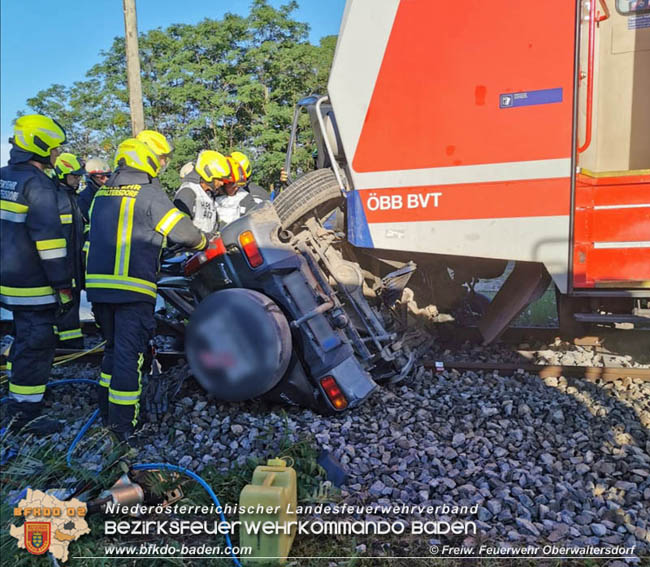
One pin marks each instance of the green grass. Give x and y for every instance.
(540, 313)
(41, 467)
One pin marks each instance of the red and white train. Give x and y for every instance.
(466, 134)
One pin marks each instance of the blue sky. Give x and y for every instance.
(44, 42)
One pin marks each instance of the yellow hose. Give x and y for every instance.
(68, 357)
(65, 358)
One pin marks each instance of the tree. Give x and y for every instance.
(228, 84)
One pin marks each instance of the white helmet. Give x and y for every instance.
(187, 169)
(95, 166)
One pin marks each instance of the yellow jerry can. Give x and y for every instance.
(268, 502)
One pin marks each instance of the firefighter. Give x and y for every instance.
(68, 170)
(97, 173)
(35, 270)
(284, 178)
(188, 173)
(253, 188)
(130, 220)
(196, 197)
(159, 145)
(233, 200)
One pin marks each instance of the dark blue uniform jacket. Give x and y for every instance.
(33, 249)
(131, 218)
(85, 198)
(73, 231)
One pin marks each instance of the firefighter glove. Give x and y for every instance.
(64, 300)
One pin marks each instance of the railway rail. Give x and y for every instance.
(523, 335)
(590, 373)
(448, 334)
(451, 337)
(169, 358)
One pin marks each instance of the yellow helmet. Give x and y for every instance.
(244, 162)
(38, 134)
(138, 155)
(237, 174)
(212, 165)
(156, 141)
(68, 164)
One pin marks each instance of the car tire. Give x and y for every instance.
(316, 193)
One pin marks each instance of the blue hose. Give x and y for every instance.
(82, 432)
(197, 478)
(141, 466)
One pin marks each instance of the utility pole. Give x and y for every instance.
(133, 66)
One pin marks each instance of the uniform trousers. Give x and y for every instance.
(31, 355)
(127, 329)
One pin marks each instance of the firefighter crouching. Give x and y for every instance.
(69, 170)
(35, 270)
(130, 220)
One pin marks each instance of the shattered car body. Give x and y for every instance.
(285, 317)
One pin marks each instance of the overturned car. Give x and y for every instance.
(285, 317)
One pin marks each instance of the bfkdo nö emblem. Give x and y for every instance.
(37, 537)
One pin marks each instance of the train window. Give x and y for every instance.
(632, 7)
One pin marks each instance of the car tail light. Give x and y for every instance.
(251, 251)
(215, 248)
(333, 392)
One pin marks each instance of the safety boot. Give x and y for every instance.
(27, 417)
(124, 437)
(122, 422)
(102, 402)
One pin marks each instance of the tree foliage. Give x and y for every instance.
(228, 84)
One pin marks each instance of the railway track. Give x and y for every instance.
(448, 334)
(590, 373)
(520, 335)
(453, 337)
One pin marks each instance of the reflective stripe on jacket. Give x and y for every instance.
(33, 250)
(85, 198)
(73, 231)
(130, 219)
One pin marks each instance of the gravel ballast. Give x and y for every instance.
(554, 460)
